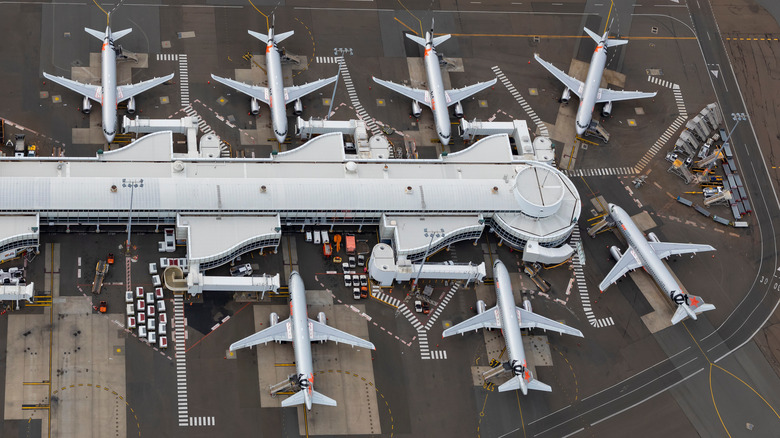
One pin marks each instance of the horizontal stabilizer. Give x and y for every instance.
(294, 400)
(283, 36)
(593, 35)
(440, 39)
(539, 386)
(319, 399)
(416, 39)
(613, 43)
(681, 313)
(96, 33)
(262, 37)
(116, 35)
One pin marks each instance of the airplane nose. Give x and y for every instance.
(280, 137)
(580, 131)
(109, 138)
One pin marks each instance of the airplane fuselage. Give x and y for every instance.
(301, 340)
(108, 99)
(277, 101)
(439, 102)
(637, 243)
(591, 88)
(510, 325)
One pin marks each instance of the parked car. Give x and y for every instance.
(356, 293)
(139, 292)
(364, 292)
(361, 260)
(161, 306)
(152, 338)
(418, 306)
(347, 280)
(352, 261)
(129, 296)
(158, 293)
(156, 281)
(152, 268)
(364, 280)
(141, 331)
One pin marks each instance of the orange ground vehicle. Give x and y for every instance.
(110, 258)
(103, 308)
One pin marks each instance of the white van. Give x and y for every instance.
(141, 331)
(152, 338)
(308, 236)
(161, 306)
(316, 237)
(325, 237)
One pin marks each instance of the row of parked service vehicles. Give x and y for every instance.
(146, 311)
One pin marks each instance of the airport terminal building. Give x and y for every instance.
(226, 207)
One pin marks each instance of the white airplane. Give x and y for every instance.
(435, 97)
(301, 331)
(510, 319)
(108, 93)
(276, 88)
(648, 253)
(589, 92)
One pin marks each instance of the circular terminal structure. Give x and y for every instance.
(539, 190)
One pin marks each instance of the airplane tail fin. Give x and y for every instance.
(696, 307)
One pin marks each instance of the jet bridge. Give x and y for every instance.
(384, 268)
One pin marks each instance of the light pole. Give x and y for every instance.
(737, 117)
(432, 234)
(132, 183)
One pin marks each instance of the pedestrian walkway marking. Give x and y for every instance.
(202, 421)
(361, 112)
(184, 80)
(601, 172)
(167, 57)
(327, 59)
(179, 340)
(441, 306)
(519, 98)
(582, 287)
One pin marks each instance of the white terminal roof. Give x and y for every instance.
(311, 177)
(203, 242)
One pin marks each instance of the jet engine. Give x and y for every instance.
(481, 306)
(274, 319)
(615, 251)
(517, 368)
(298, 107)
(254, 107)
(416, 109)
(566, 96)
(652, 237)
(458, 111)
(131, 105)
(607, 110)
(86, 106)
(322, 318)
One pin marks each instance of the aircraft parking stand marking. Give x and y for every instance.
(327, 60)
(361, 112)
(202, 421)
(167, 57)
(519, 98)
(582, 287)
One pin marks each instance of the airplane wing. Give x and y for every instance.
(124, 92)
(276, 333)
(417, 94)
(607, 95)
(665, 249)
(531, 320)
(259, 93)
(94, 92)
(455, 96)
(322, 332)
(572, 84)
(626, 263)
(298, 91)
(486, 319)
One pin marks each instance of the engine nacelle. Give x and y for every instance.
(615, 251)
(652, 237)
(527, 305)
(274, 319)
(298, 107)
(481, 307)
(606, 111)
(416, 109)
(86, 106)
(254, 107)
(566, 96)
(322, 318)
(458, 111)
(131, 105)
